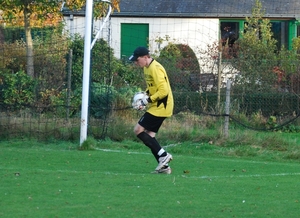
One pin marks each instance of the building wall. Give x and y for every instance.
(196, 32)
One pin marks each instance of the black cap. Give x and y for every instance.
(139, 52)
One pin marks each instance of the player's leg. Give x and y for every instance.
(146, 129)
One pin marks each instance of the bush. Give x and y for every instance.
(50, 60)
(269, 104)
(180, 62)
(13, 56)
(105, 68)
(101, 100)
(17, 90)
(194, 102)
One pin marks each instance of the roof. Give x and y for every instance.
(205, 8)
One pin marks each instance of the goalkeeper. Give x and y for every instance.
(160, 106)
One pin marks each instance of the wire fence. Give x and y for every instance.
(255, 111)
(49, 107)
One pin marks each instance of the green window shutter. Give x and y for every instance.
(132, 36)
(292, 33)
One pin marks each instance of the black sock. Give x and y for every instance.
(163, 154)
(150, 142)
(155, 155)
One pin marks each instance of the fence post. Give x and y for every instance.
(69, 83)
(219, 81)
(227, 108)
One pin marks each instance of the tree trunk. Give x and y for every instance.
(1, 35)
(29, 44)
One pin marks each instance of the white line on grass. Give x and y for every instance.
(183, 176)
(222, 159)
(119, 151)
(206, 158)
(242, 176)
(143, 174)
(211, 177)
(171, 145)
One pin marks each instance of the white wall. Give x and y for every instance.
(195, 32)
(74, 25)
(198, 33)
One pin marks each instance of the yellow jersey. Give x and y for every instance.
(159, 90)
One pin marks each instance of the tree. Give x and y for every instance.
(257, 52)
(38, 13)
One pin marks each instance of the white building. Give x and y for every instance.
(199, 24)
(193, 22)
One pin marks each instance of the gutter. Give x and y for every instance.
(199, 15)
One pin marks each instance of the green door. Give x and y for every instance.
(132, 36)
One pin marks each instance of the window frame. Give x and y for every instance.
(292, 25)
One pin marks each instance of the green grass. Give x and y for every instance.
(114, 180)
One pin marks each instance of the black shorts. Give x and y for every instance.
(151, 122)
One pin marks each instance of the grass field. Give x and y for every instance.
(58, 180)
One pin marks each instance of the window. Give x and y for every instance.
(229, 33)
(280, 30)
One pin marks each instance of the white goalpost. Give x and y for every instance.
(88, 46)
